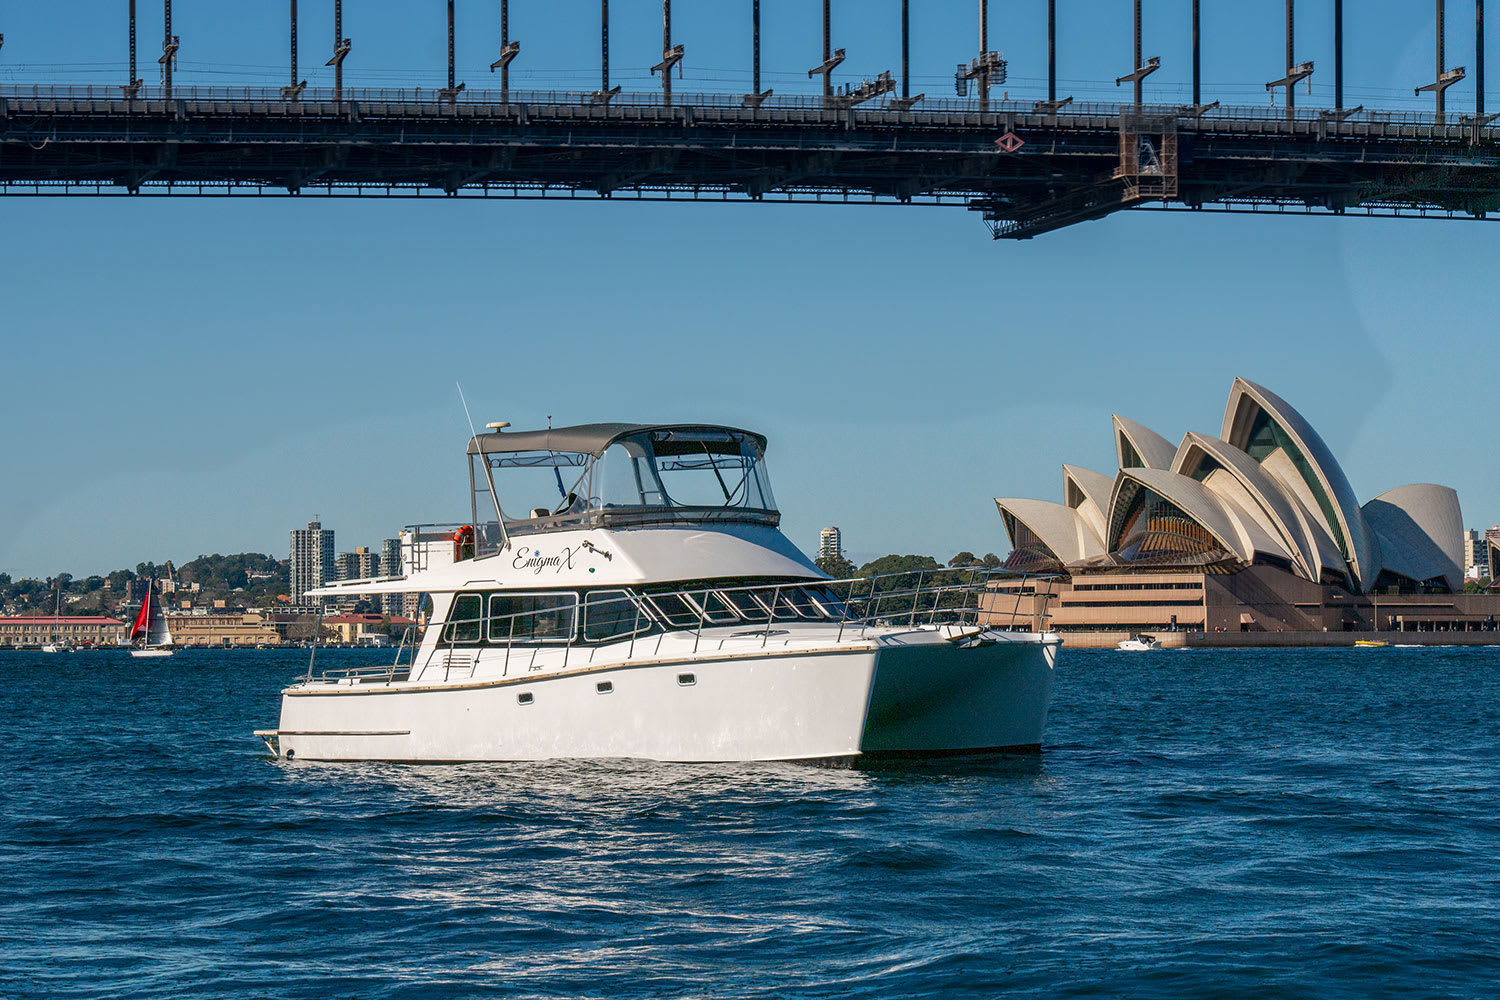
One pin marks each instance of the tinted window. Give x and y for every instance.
(533, 617)
(675, 610)
(713, 606)
(746, 603)
(466, 619)
(608, 614)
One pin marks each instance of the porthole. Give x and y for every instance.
(687, 680)
(524, 698)
(604, 687)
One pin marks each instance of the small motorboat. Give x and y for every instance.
(1140, 644)
(654, 610)
(1370, 643)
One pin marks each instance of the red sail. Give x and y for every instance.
(142, 624)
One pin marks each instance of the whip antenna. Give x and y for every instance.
(489, 479)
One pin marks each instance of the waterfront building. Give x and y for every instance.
(312, 560)
(39, 630)
(830, 544)
(1256, 529)
(222, 627)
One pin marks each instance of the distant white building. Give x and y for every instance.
(830, 544)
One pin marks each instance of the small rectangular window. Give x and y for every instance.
(687, 680)
(465, 619)
(533, 617)
(604, 687)
(524, 698)
(745, 602)
(610, 614)
(713, 607)
(675, 610)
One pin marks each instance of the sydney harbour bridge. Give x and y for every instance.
(1026, 166)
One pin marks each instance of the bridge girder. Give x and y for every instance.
(1071, 165)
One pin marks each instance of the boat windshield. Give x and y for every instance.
(657, 475)
(682, 468)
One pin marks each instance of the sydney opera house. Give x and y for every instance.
(1255, 530)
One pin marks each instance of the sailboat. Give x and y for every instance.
(56, 645)
(150, 628)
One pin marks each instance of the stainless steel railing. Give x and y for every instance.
(926, 598)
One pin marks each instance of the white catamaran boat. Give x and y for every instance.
(149, 635)
(652, 609)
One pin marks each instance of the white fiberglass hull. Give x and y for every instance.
(150, 654)
(908, 692)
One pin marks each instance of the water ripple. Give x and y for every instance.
(1229, 824)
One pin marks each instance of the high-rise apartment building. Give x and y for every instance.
(367, 563)
(830, 544)
(312, 562)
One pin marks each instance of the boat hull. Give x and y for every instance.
(992, 695)
(923, 694)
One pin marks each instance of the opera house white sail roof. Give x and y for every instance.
(1267, 491)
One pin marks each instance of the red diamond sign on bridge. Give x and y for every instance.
(1010, 142)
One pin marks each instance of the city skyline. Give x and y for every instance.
(251, 382)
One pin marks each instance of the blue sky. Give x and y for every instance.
(191, 376)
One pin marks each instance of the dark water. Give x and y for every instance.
(1227, 824)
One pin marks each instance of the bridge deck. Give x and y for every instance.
(1056, 167)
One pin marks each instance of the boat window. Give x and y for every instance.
(746, 604)
(610, 614)
(792, 603)
(677, 612)
(528, 484)
(465, 620)
(533, 617)
(683, 467)
(712, 606)
(829, 603)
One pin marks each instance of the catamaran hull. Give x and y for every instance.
(936, 699)
(927, 697)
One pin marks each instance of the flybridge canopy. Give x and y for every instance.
(593, 439)
(617, 474)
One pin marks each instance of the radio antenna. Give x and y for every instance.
(489, 479)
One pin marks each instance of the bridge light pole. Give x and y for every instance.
(169, 46)
(670, 55)
(604, 93)
(1338, 54)
(133, 87)
(1479, 58)
(756, 95)
(341, 49)
(1197, 60)
(1142, 69)
(831, 57)
(1445, 77)
(988, 70)
(294, 90)
(454, 87)
(1295, 72)
(508, 52)
(905, 102)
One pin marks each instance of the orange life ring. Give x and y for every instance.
(463, 543)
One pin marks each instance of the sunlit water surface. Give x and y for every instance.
(1228, 824)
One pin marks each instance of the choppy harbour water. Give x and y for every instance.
(1203, 823)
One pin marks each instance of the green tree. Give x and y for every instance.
(836, 566)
